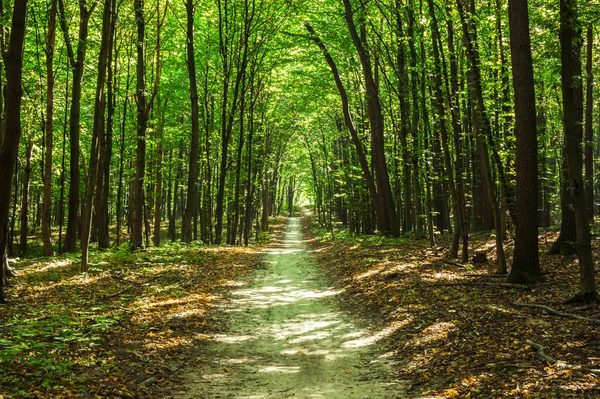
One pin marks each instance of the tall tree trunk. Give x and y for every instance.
(572, 96)
(403, 94)
(11, 133)
(526, 265)
(375, 115)
(47, 200)
(441, 110)
(142, 122)
(472, 53)
(453, 100)
(482, 131)
(192, 187)
(589, 129)
(383, 223)
(119, 211)
(77, 64)
(98, 131)
(107, 145)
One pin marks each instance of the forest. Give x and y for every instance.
(154, 154)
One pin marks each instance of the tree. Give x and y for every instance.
(526, 265)
(11, 128)
(77, 61)
(376, 122)
(192, 186)
(137, 221)
(49, 133)
(572, 96)
(98, 130)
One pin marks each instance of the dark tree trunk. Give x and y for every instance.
(572, 96)
(375, 115)
(383, 223)
(106, 145)
(526, 265)
(482, 129)
(11, 133)
(47, 200)
(77, 64)
(192, 187)
(98, 131)
(589, 130)
(137, 222)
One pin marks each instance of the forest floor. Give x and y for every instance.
(457, 331)
(356, 317)
(125, 328)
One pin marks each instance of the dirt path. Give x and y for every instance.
(288, 338)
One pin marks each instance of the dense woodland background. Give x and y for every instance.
(197, 120)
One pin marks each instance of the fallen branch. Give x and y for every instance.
(555, 312)
(559, 363)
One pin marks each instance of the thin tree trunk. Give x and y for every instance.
(482, 130)
(589, 130)
(98, 131)
(192, 187)
(47, 200)
(25, 200)
(77, 64)
(142, 122)
(572, 96)
(159, 173)
(374, 112)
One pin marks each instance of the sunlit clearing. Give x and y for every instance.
(389, 330)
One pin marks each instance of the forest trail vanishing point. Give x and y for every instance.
(288, 338)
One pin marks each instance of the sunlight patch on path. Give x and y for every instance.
(288, 338)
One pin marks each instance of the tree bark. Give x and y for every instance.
(137, 225)
(482, 131)
(382, 181)
(47, 199)
(11, 132)
(98, 131)
(77, 64)
(192, 187)
(572, 96)
(526, 266)
(589, 130)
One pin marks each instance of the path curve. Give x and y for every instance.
(289, 338)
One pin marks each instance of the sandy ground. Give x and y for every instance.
(289, 338)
